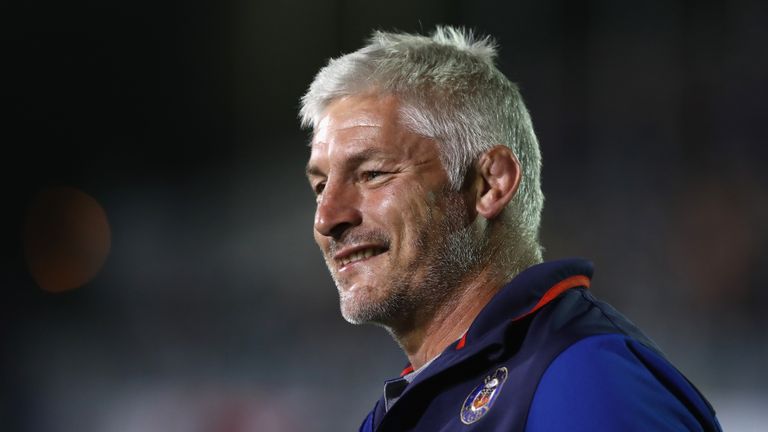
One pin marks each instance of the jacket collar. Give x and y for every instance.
(524, 295)
(527, 292)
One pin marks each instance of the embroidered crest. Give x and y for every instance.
(480, 400)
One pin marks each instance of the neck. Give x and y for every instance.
(432, 332)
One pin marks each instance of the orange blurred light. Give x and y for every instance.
(66, 238)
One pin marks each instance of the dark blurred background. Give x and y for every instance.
(174, 124)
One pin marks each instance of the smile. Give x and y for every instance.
(359, 255)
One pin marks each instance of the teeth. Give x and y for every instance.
(359, 255)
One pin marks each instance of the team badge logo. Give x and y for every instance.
(480, 400)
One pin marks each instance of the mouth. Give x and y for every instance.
(357, 254)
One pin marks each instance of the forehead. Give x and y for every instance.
(357, 111)
(369, 124)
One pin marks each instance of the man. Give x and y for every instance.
(426, 171)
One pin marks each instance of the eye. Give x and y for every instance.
(371, 175)
(318, 188)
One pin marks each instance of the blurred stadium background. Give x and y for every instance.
(174, 125)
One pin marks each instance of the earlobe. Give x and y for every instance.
(500, 173)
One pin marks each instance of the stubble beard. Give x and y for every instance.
(449, 252)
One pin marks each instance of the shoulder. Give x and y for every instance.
(612, 382)
(367, 425)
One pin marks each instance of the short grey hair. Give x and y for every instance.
(450, 91)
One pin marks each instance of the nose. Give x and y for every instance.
(337, 210)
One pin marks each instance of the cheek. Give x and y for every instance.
(400, 209)
(384, 202)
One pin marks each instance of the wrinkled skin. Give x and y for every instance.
(395, 237)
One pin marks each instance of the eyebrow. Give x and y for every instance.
(354, 160)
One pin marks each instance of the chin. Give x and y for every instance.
(353, 314)
(354, 309)
(357, 308)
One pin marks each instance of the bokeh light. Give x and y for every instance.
(66, 238)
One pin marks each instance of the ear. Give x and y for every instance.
(498, 174)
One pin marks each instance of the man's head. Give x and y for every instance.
(426, 168)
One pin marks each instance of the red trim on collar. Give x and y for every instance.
(556, 290)
(551, 294)
(462, 342)
(406, 371)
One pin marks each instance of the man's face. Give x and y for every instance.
(386, 221)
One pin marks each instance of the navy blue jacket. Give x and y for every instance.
(545, 355)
